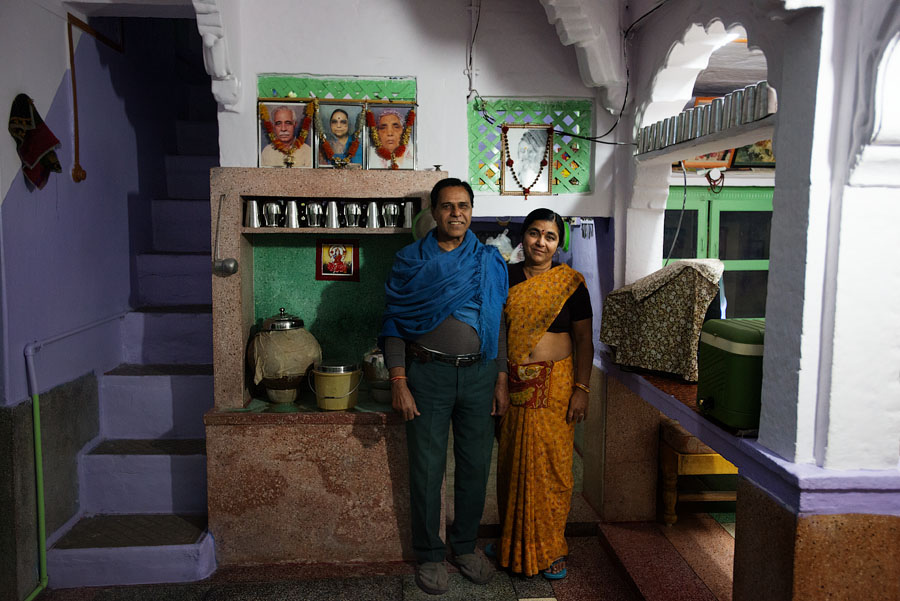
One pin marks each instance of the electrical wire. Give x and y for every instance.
(680, 216)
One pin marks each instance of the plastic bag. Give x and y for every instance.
(502, 243)
(517, 256)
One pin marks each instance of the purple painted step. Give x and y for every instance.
(155, 401)
(111, 566)
(174, 279)
(181, 225)
(144, 476)
(168, 335)
(197, 138)
(188, 176)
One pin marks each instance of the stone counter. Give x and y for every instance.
(308, 487)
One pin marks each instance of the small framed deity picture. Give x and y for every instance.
(337, 260)
(392, 135)
(286, 133)
(527, 159)
(340, 136)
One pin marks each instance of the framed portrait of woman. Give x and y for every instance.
(340, 136)
(527, 159)
(392, 136)
(285, 133)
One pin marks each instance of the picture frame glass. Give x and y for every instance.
(340, 129)
(283, 139)
(527, 145)
(388, 126)
(337, 260)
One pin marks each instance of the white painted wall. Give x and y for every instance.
(34, 45)
(517, 53)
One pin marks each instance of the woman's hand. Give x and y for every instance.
(578, 404)
(501, 395)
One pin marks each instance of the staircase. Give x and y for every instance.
(142, 488)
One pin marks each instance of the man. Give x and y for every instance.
(444, 348)
(282, 152)
(390, 126)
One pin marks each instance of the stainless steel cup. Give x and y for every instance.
(665, 128)
(352, 213)
(272, 214)
(762, 100)
(726, 110)
(705, 111)
(716, 115)
(373, 220)
(689, 124)
(679, 128)
(409, 212)
(698, 121)
(652, 139)
(391, 214)
(749, 104)
(314, 216)
(670, 139)
(251, 214)
(291, 214)
(331, 215)
(737, 107)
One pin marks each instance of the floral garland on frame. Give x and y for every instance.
(287, 149)
(510, 162)
(325, 146)
(404, 138)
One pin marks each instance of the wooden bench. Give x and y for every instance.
(683, 454)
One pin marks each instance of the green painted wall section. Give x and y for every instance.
(345, 317)
(353, 88)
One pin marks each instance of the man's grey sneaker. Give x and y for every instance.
(432, 577)
(474, 567)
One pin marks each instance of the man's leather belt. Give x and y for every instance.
(424, 355)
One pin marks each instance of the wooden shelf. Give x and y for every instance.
(341, 231)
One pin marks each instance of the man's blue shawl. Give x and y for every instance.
(427, 284)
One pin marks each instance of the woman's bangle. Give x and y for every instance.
(587, 389)
(395, 378)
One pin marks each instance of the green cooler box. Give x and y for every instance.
(729, 383)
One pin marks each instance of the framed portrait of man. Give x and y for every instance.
(392, 134)
(340, 134)
(285, 133)
(527, 159)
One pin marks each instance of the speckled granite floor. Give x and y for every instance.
(593, 575)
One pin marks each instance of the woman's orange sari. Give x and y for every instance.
(534, 466)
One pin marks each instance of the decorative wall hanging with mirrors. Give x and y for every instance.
(527, 152)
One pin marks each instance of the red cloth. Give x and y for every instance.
(35, 143)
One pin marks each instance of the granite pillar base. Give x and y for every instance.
(780, 556)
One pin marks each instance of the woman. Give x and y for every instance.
(390, 125)
(340, 138)
(548, 316)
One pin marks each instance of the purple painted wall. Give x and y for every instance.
(68, 250)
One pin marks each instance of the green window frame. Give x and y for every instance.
(710, 207)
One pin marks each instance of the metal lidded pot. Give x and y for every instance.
(280, 355)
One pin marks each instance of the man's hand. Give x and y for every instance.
(501, 395)
(402, 400)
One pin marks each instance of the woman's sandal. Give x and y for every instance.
(550, 574)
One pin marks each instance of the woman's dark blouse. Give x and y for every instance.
(577, 307)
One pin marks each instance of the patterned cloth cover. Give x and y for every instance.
(654, 323)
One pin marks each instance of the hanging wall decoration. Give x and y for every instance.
(527, 149)
(391, 133)
(339, 142)
(35, 143)
(284, 128)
